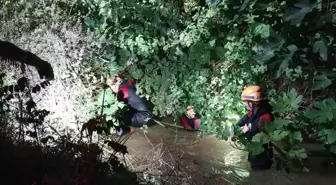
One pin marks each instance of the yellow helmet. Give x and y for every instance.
(189, 107)
(189, 111)
(252, 93)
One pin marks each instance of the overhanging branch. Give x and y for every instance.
(9, 51)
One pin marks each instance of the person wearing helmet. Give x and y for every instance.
(139, 111)
(189, 120)
(259, 110)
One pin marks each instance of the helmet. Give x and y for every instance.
(252, 93)
(189, 111)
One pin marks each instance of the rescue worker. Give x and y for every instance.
(138, 112)
(258, 110)
(189, 120)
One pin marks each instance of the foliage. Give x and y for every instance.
(30, 15)
(323, 116)
(64, 158)
(66, 163)
(204, 54)
(105, 104)
(321, 82)
(49, 155)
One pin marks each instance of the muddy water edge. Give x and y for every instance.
(208, 160)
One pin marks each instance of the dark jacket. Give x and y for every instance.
(263, 160)
(127, 94)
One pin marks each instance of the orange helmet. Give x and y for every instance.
(251, 93)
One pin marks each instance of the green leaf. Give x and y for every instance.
(295, 99)
(330, 17)
(220, 52)
(322, 48)
(136, 72)
(325, 111)
(298, 153)
(263, 30)
(107, 95)
(89, 22)
(279, 135)
(267, 50)
(200, 52)
(328, 135)
(255, 148)
(297, 13)
(261, 138)
(280, 123)
(331, 137)
(323, 132)
(277, 124)
(124, 56)
(297, 136)
(212, 43)
(321, 82)
(289, 101)
(292, 48)
(333, 149)
(282, 68)
(110, 106)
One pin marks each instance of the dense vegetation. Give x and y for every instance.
(203, 53)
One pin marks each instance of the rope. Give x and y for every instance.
(164, 124)
(167, 125)
(176, 126)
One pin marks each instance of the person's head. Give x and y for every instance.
(252, 96)
(190, 113)
(114, 82)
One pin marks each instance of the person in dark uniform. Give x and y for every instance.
(189, 120)
(259, 110)
(138, 112)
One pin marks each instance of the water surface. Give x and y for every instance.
(207, 155)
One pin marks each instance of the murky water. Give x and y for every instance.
(208, 155)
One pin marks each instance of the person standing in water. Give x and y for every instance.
(259, 110)
(138, 112)
(189, 120)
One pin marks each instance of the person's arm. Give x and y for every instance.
(242, 121)
(239, 124)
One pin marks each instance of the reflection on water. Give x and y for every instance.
(212, 155)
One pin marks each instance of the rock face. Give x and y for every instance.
(66, 48)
